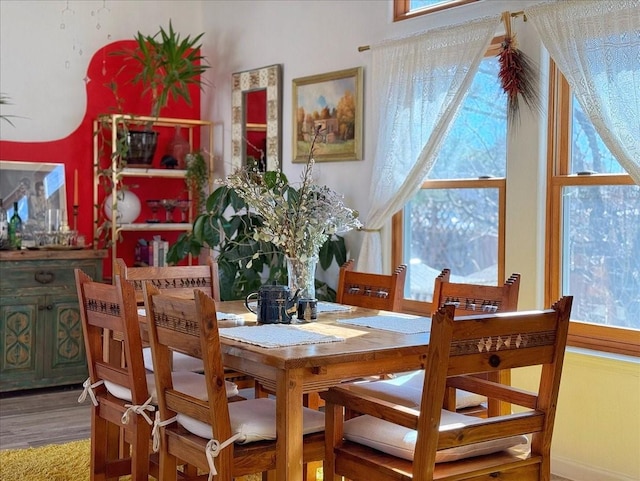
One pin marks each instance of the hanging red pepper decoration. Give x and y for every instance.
(518, 75)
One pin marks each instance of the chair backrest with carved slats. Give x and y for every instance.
(476, 298)
(472, 299)
(374, 291)
(188, 326)
(486, 344)
(109, 315)
(177, 280)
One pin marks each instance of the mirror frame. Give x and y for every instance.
(269, 78)
(17, 184)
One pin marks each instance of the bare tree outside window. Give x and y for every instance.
(601, 235)
(456, 225)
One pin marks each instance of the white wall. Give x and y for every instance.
(592, 441)
(45, 48)
(316, 36)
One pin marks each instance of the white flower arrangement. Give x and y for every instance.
(297, 220)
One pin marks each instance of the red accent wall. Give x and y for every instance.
(76, 150)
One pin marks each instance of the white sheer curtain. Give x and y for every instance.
(419, 82)
(596, 45)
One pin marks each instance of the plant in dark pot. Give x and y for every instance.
(167, 66)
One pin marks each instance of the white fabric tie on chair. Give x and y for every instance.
(88, 389)
(213, 449)
(155, 432)
(139, 409)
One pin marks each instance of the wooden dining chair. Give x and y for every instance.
(374, 291)
(177, 280)
(470, 299)
(406, 388)
(180, 281)
(115, 386)
(390, 442)
(476, 298)
(122, 391)
(230, 439)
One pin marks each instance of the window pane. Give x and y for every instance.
(601, 253)
(452, 228)
(476, 144)
(588, 152)
(415, 4)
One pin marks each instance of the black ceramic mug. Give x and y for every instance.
(274, 304)
(307, 309)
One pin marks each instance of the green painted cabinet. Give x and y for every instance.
(41, 342)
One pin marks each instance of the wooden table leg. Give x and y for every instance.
(289, 425)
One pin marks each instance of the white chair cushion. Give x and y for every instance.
(255, 419)
(189, 382)
(181, 362)
(401, 442)
(406, 390)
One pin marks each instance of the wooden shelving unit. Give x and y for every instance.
(108, 164)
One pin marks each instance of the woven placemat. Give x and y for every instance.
(402, 324)
(276, 335)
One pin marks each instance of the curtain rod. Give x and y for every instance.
(364, 48)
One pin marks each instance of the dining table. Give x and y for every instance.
(344, 343)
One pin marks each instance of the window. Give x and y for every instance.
(456, 220)
(594, 232)
(403, 9)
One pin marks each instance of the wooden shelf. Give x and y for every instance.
(154, 226)
(162, 173)
(106, 160)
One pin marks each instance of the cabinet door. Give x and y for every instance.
(21, 340)
(64, 350)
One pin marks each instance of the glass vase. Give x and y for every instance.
(302, 275)
(177, 149)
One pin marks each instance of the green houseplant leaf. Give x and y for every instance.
(244, 263)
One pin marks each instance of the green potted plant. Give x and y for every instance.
(168, 65)
(196, 177)
(245, 263)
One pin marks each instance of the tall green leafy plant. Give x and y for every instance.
(168, 65)
(245, 262)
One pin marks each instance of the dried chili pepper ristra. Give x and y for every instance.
(518, 75)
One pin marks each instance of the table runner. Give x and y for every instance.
(276, 335)
(221, 316)
(332, 307)
(322, 307)
(402, 324)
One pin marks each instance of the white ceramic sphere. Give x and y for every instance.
(129, 207)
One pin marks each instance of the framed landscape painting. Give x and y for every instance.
(330, 104)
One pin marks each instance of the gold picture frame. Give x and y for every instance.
(332, 102)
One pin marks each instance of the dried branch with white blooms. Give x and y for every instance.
(297, 220)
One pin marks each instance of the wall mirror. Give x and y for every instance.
(36, 187)
(256, 118)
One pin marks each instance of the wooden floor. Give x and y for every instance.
(43, 416)
(50, 416)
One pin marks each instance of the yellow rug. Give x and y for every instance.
(54, 462)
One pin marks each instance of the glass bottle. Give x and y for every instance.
(15, 229)
(4, 228)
